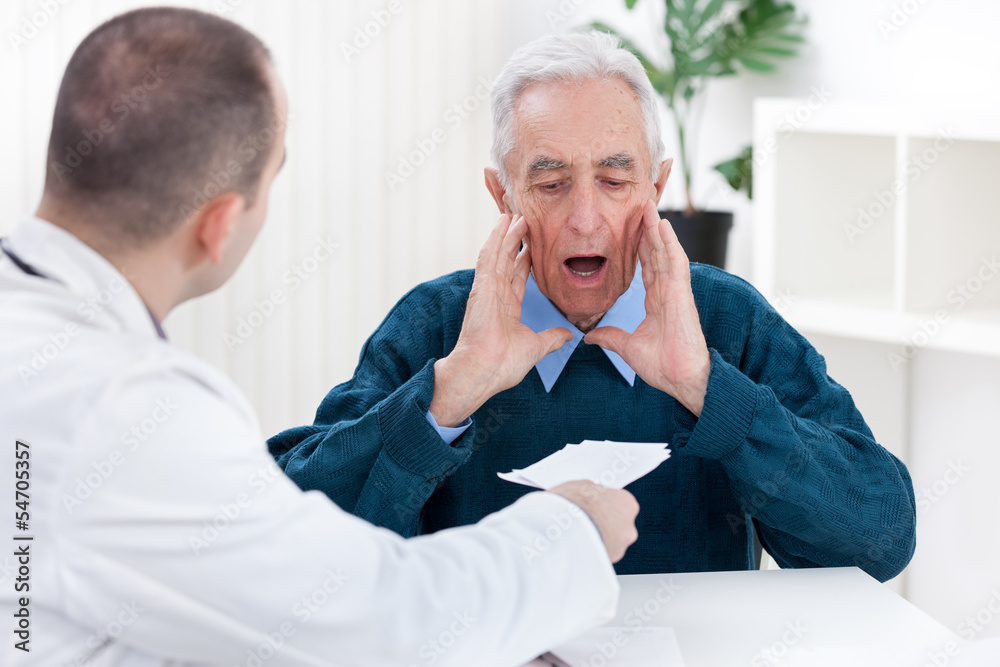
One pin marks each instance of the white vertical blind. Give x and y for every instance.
(412, 91)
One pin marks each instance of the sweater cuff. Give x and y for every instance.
(730, 406)
(409, 438)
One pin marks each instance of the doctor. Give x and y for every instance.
(154, 527)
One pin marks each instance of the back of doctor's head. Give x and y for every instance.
(159, 109)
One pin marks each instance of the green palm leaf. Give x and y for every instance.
(716, 38)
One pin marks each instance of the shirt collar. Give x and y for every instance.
(60, 256)
(538, 314)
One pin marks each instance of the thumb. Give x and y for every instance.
(553, 339)
(610, 338)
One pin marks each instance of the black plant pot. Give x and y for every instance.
(703, 235)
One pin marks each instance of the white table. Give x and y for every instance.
(724, 619)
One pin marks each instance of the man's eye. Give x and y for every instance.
(615, 184)
(550, 187)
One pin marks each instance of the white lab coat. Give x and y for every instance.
(164, 534)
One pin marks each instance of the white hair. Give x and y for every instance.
(576, 57)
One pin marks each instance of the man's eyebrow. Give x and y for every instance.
(542, 164)
(622, 161)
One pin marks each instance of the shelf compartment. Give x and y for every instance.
(953, 226)
(835, 230)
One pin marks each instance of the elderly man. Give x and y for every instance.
(558, 337)
(129, 554)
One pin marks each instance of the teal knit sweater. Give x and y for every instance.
(779, 450)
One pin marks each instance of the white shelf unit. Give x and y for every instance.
(876, 234)
(875, 220)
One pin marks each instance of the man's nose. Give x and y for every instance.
(584, 217)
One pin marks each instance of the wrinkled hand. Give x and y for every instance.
(612, 510)
(494, 350)
(667, 349)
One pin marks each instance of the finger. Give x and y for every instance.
(631, 503)
(610, 338)
(644, 253)
(522, 267)
(510, 245)
(649, 275)
(658, 260)
(488, 254)
(677, 259)
(553, 339)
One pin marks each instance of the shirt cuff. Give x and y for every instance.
(448, 433)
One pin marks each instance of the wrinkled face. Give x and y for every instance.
(580, 175)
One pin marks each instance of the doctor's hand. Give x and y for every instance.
(494, 350)
(667, 349)
(612, 510)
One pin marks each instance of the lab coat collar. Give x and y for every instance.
(105, 295)
(538, 314)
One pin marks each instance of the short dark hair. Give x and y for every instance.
(159, 110)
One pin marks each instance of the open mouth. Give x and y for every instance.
(585, 266)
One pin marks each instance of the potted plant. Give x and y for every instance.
(712, 38)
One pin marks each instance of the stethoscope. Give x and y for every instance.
(20, 263)
(32, 271)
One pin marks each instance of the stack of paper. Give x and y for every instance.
(619, 646)
(611, 464)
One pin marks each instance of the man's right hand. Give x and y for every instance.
(494, 350)
(612, 510)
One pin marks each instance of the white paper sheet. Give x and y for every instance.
(619, 646)
(611, 464)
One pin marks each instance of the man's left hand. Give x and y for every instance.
(667, 349)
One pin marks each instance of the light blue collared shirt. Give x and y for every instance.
(538, 314)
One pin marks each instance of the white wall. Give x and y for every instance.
(955, 427)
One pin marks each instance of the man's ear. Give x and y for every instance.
(497, 190)
(661, 181)
(216, 223)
